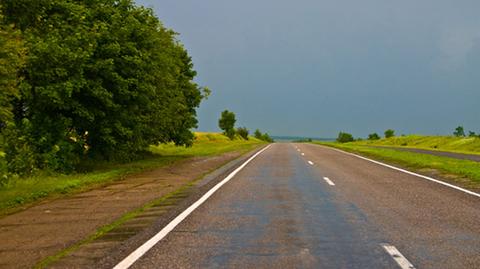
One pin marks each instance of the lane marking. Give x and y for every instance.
(303, 154)
(397, 256)
(410, 173)
(329, 181)
(139, 252)
(310, 162)
(298, 149)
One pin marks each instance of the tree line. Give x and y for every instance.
(97, 79)
(227, 125)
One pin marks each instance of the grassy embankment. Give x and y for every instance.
(468, 145)
(24, 191)
(464, 172)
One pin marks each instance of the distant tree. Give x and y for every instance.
(257, 134)
(389, 133)
(227, 123)
(373, 136)
(267, 138)
(344, 137)
(472, 134)
(459, 131)
(243, 132)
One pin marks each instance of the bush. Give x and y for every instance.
(389, 133)
(373, 136)
(344, 137)
(227, 123)
(243, 132)
(459, 131)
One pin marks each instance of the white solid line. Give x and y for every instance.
(139, 252)
(410, 173)
(398, 257)
(310, 162)
(329, 181)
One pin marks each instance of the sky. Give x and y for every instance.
(316, 67)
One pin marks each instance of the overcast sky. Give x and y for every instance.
(317, 67)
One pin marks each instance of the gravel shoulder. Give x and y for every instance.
(43, 230)
(461, 156)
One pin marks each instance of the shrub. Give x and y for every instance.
(459, 131)
(227, 123)
(373, 136)
(389, 133)
(243, 132)
(344, 137)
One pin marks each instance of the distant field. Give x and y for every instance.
(464, 172)
(23, 191)
(470, 145)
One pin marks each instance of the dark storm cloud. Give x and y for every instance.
(317, 67)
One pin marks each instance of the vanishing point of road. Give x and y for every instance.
(308, 206)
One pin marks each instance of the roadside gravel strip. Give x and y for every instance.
(38, 232)
(461, 156)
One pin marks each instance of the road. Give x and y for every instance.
(307, 206)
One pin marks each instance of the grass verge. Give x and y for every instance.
(465, 172)
(467, 145)
(24, 192)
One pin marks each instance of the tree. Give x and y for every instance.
(121, 82)
(373, 136)
(344, 137)
(243, 132)
(389, 133)
(12, 58)
(257, 134)
(459, 131)
(472, 134)
(266, 137)
(227, 123)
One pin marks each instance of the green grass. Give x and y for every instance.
(469, 145)
(22, 192)
(463, 171)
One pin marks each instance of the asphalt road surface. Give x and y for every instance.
(307, 206)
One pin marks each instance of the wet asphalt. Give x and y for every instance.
(279, 212)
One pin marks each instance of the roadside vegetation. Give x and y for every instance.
(89, 81)
(465, 172)
(24, 191)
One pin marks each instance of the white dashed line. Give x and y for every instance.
(310, 162)
(397, 256)
(139, 252)
(329, 181)
(408, 172)
(303, 154)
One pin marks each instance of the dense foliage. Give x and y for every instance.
(243, 132)
(227, 123)
(373, 136)
(344, 137)
(265, 137)
(102, 79)
(389, 133)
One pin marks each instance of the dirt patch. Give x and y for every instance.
(43, 230)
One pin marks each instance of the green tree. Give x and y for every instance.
(103, 77)
(344, 137)
(373, 136)
(389, 133)
(243, 132)
(227, 123)
(472, 134)
(12, 58)
(257, 134)
(267, 138)
(459, 131)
